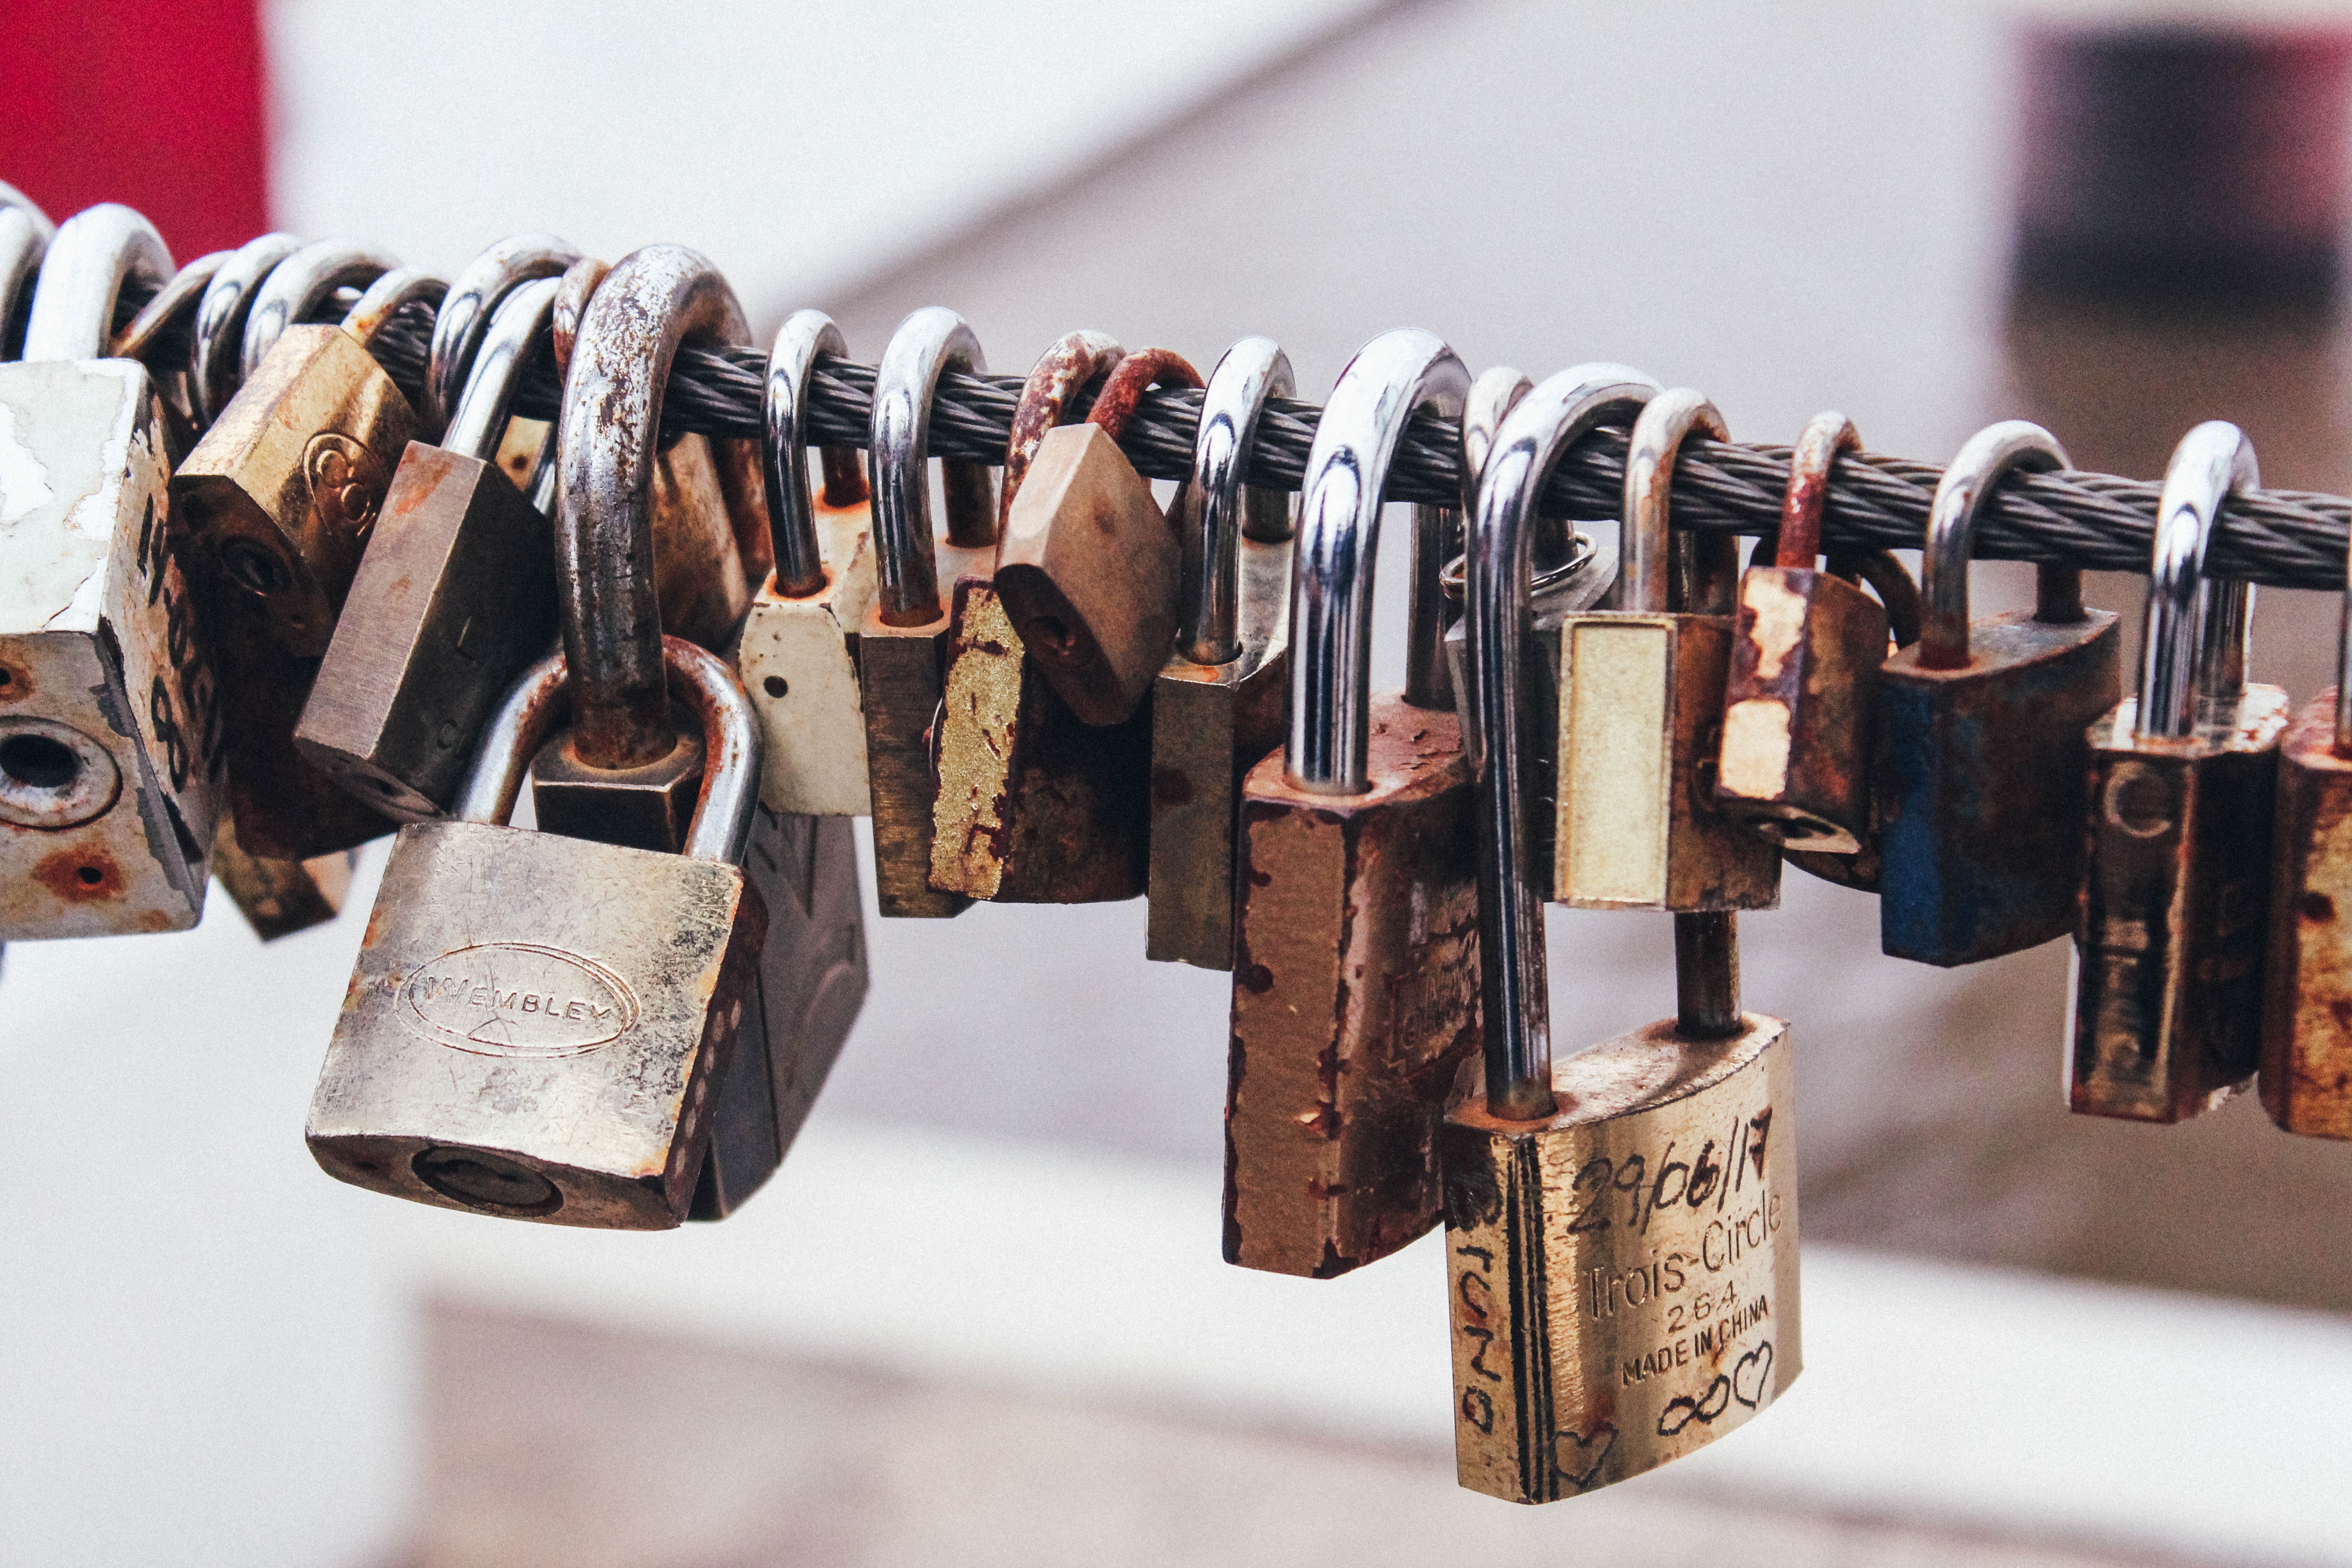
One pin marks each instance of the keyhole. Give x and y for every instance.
(38, 762)
(776, 686)
(252, 567)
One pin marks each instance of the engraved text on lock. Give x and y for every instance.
(518, 999)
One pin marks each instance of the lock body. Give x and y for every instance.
(1087, 572)
(1795, 763)
(903, 674)
(110, 720)
(1640, 725)
(699, 574)
(2174, 915)
(1979, 791)
(2306, 1063)
(1211, 723)
(798, 657)
(1623, 1276)
(537, 1025)
(455, 595)
(1355, 1000)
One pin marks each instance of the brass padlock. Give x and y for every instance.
(110, 739)
(1620, 1227)
(1642, 700)
(1035, 805)
(2174, 917)
(798, 655)
(2306, 1060)
(1355, 967)
(902, 644)
(538, 1026)
(1982, 731)
(453, 597)
(1798, 704)
(1219, 703)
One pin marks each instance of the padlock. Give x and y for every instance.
(1355, 988)
(1982, 731)
(278, 898)
(1218, 704)
(538, 1026)
(453, 597)
(24, 235)
(798, 655)
(463, 321)
(1640, 698)
(2306, 1059)
(1798, 704)
(2174, 916)
(110, 739)
(1034, 805)
(1612, 1307)
(277, 502)
(902, 643)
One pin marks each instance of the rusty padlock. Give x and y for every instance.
(2174, 914)
(1219, 703)
(1356, 970)
(902, 645)
(1982, 731)
(538, 1027)
(453, 597)
(109, 742)
(1642, 703)
(798, 654)
(1035, 806)
(1802, 692)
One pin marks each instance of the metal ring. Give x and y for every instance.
(175, 302)
(389, 295)
(783, 448)
(1208, 595)
(297, 286)
(465, 315)
(501, 354)
(1984, 460)
(217, 367)
(899, 442)
(97, 254)
(1645, 551)
(2194, 657)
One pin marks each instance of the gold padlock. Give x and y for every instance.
(2169, 936)
(902, 644)
(798, 655)
(1219, 704)
(1640, 711)
(1620, 1227)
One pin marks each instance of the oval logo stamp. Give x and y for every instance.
(518, 999)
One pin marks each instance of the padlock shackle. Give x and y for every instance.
(464, 319)
(388, 296)
(14, 200)
(608, 444)
(1645, 551)
(97, 254)
(1392, 377)
(532, 710)
(1073, 365)
(1706, 975)
(930, 340)
(23, 244)
(502, 353)
(1985, 459)
(2193, 651)
(1137, 373)
(175, 302)
(783, 451)
(1513, 977)
(216, 368)
(1816, 452)
(299, 285)
(1225, 507)
(581, 281)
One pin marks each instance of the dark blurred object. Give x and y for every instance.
(2187, 164)
(154, 103)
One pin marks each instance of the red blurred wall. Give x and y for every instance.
(158, 103)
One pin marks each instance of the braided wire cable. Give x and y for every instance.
(2289, 539)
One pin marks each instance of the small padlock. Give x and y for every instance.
(2169, 935)
(902, 644)
(1218, 704)
(1355, 967)
(2306, 1061)
(798, 655)
(110, 737)
(1034, 805)
(1798, 704)
(538, 1026)
(1642, 697)
(453, 597)
(1612, 1306)
(1983, 730)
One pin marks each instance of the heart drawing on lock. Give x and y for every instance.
(1751, 1376)
(1682, 1410)
(1573, 1449)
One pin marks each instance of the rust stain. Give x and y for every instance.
(83, 876)
(16, 682)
